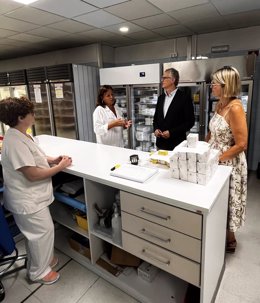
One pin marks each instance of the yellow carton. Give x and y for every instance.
(82, 221)
(163, 152)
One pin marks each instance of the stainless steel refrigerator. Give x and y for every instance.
(196, 91)
(122, 94)
(64, 98)
(12, 84)
(136, 89)
(197, 74)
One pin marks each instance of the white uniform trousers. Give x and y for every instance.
(38, 229)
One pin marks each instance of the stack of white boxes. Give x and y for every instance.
(194, 161)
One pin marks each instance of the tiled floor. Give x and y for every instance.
(240, 283)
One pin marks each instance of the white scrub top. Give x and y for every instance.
(101, 117)
(22, 196)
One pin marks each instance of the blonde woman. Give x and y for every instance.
(228, 133)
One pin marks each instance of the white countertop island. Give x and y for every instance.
(94, 161)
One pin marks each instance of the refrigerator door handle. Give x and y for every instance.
(53, 132)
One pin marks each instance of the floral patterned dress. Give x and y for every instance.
(223, 139)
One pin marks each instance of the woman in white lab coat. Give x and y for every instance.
(108, 119)
(28, 187)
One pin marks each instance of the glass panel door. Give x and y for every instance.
(63, 103)
(246, 97)
(120, 94)
(5, 92)
(19, 91)
(195, 90)
(38, 95)
(143, 104)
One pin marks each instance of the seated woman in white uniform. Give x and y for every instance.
(28, 187)
(108, 119)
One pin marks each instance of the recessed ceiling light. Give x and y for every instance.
(124, 29)
(25, 1)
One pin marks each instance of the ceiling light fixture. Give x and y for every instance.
(25, 1)
(124, 29)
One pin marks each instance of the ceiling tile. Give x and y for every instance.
(145, 36)
(7, 6)
(56, 44)
(34, 15)
(98, 33)
(6, 33)
(226, 7)
(47, 32)
(28, 38)
(119, 41)
(16, 25)
(173, 31)
(198, 12)
(155, 21)
(132, 28)
(5, 47)
(133, 10)
(66, 8)
(207, 25)
(172, 5)
(13, 42)
(104, 3)
(243, 19)
(71, 26)
(74, 39)
(99, 19)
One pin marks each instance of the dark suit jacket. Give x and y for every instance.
(178, 120)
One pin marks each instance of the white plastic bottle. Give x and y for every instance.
(116, 225)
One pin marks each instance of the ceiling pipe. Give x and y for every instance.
(189, 47)
(99, 55)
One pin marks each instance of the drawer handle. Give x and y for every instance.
(155, 214)
(155, 258)
(152, 235)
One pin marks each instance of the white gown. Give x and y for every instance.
(102, 116)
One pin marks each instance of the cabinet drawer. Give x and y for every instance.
(172, 217)
(174, 264)
(167, 238)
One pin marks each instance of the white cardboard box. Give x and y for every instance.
(147, 271)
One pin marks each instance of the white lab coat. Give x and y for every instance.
(102, 116)
(22, 196)
(29, 201)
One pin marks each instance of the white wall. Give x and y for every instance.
(85, 54)
(152, 51)
(239, 40)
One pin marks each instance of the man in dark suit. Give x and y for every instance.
(174, 114)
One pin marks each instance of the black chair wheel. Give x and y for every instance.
(2, 292)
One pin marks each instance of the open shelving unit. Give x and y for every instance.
(172, 289)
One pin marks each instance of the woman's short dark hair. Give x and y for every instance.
(13, 108)
(102, 91)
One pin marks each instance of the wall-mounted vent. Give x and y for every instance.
(61, 72)
(17, 77)
(3, 79)
(36, 75)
